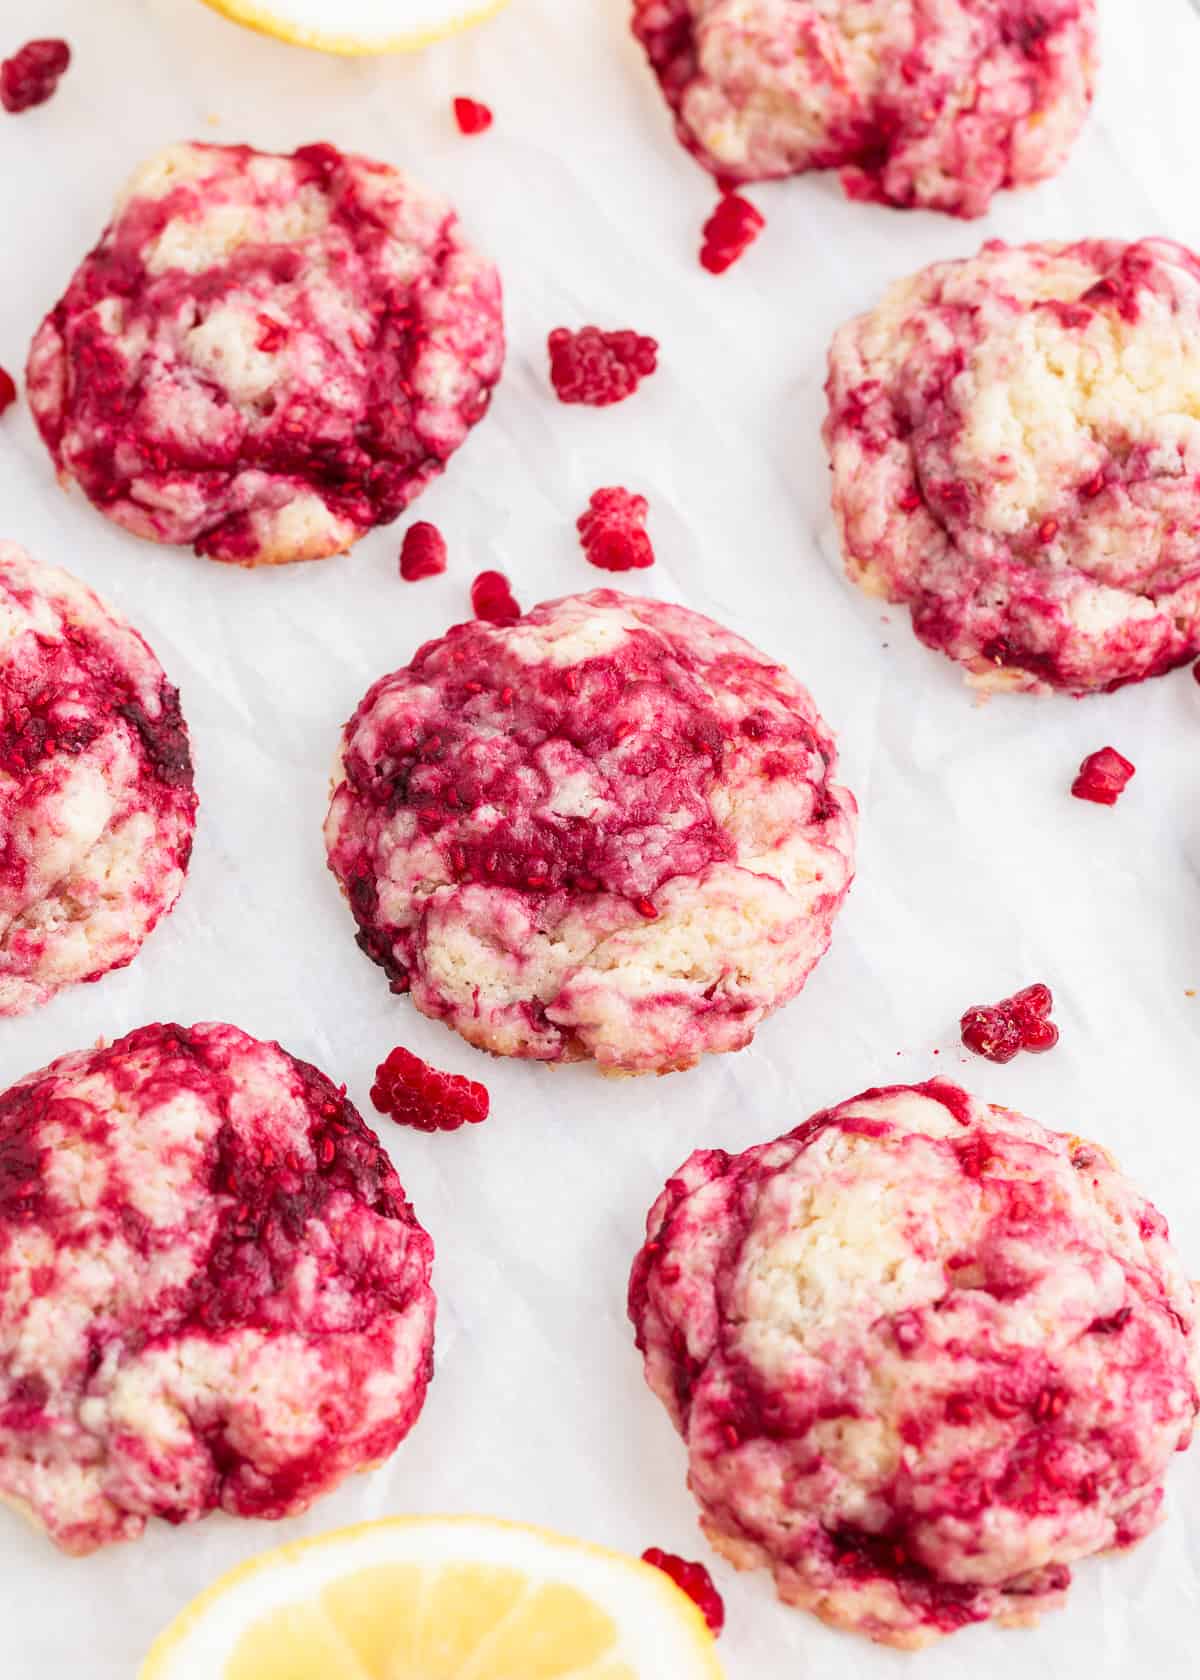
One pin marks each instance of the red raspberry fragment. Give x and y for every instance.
(731, 229)
(472, 116)
(990, 1032)
(1021, 1022)
(599, 368)
(613, 531)
(695, 1581)
(273, 335)
(423, 552)
(8, 390)
(30, 76)
(1103, 777)
(415, 1094)
(493, 600)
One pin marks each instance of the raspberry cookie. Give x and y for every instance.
(96, 801)
(1016, 456)
(936, 106)
(215, 1295)
(266, 356)
(925, 1355)
(608, 830)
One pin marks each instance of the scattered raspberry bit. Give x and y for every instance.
(8, 390)
(273, 335)
(1103, 777)
(415, 1094)
(423, 552)
(695, 1581)
(493, 600)
(472, 116)
(1047, 531)
(599, 368)
(613, 531)
(1021, 1022)
(731, 229)
(30, 76)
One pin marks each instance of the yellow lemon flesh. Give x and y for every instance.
(438, 1598)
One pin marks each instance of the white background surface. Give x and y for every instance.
(978, 873)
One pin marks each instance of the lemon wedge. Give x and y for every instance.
(357, 26)
(438, 1598)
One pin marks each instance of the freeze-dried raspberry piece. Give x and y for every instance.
(1103, 777)
(695, 1581)
(423, 552)
(30, 76)
(492, 599)
(613, 531)
(417, 1095)
(731, 229)
(599, 368)
(472, 116)
(8, 390)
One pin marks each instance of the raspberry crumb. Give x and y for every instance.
(613, 531)
(695, 1581)
(415, 1094)
(1021, 1022)
(1103, 777)
(493, 600)
(8, 390)
(423, 552)
(472, 116)
(30, 76)
(599, 368)
(731, 229)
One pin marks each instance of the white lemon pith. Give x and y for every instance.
(438, 1598)
(358, 26)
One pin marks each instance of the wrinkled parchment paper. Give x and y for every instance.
(977, 873)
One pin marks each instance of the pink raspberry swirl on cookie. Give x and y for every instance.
(928, 103)
(609, 830)
(266, 356)
(1015, 445)
(925, 1355)
(215, 1295)
(97, 807)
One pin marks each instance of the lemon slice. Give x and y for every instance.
(438, 1598)
(357, 26)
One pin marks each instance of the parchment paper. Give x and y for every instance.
(978, 873)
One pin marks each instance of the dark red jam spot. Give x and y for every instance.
(423, 552)
(1112, 1324)
(472, 116)
(729, 232)
(864, 1556)
(1103, 777)
(599, 368)
(415, 1094)
(613, 530)
(164, 738)
(1094, 486)
(8, 390)
(693, 1579)
(21, 1191)
(493, 600)
(910, 501)
(30, 76)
